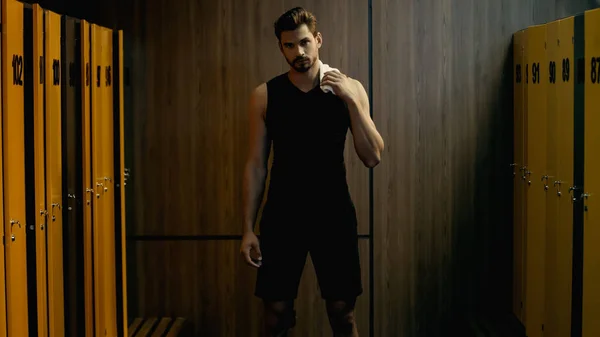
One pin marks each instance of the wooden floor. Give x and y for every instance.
(159, 327)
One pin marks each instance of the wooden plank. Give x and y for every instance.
(177, 327)
(147, 327)
(133, 327)
(163, 327)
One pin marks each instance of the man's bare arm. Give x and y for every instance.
(255, 171)
(368, 143)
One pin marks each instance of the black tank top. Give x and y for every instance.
(308, 133)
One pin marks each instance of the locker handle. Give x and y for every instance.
(546, 177)
(15, 222)
(585, 195)
(558, 182)
(571, 189)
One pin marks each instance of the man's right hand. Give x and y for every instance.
(249, 246)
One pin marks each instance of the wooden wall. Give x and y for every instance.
(440, 79)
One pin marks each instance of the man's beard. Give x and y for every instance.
(301, 64)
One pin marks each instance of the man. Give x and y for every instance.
(308, 208)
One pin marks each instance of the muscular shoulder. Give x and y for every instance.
(360, 92)
(258, 100)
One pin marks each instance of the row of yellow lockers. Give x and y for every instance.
(62, 177)
(557, 177)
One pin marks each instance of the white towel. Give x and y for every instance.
(323, 68)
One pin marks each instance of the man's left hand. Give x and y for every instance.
(342, 85)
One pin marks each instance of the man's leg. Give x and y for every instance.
(278, 278)
(280, 317)
(335, 256)
(341, 318)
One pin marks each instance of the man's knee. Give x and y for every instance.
(280, 316)
(341, 316)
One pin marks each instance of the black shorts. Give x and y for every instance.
(331, 239)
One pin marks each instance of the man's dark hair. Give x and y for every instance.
(294, 18)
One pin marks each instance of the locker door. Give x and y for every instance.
(517, 181)
(13, 166)
(578, 183)
(35, 170)
(536, 196)
(524, 174)
(559, 318)
(591, 187)
(107, 179)
(552, 62)
(72, 220)
(119, 169)
(40, 169)
(87, 190)
(98, 181)
(3, 317)
(54, 196)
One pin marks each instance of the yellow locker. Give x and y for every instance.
(536, 166)
(120, 183)
(524, 173)
(54, 197)
(552, 287)
(579, 77)
(558, 306)
(13, 166)
(101, 218)
(40, 167)
(107, 179)
(3, 323)
(35, 167)
(591, 182)
(72, 221)
(88, 186)
(517, 181)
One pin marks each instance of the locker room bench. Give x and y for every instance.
(159, 327)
